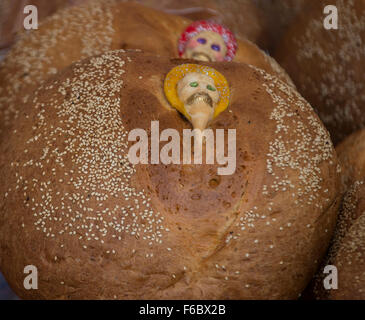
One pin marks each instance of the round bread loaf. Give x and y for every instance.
(91, 29)
(12, 16)
(350, 258)
(327, 65)
(351, 153)
(347, 251)
(96, 226)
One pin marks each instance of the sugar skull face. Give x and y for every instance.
(200, 97)
(198, 92)
(206, 46)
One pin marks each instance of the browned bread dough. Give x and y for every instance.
(347, 251)
(97, 227)
(91, 29)
(350, 260)
(328, 65)
(242, 17)
(351, 153)
(350, 254)
(12, 16)
(276, 16)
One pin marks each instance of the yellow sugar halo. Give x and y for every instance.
(179, 72)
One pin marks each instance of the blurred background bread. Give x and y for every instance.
(350, 257)
(277, 16)
(347, 249)
(346, 252)
(242, 16)
(351, 154)
(350, 254)
(327, 65)
(12, 16)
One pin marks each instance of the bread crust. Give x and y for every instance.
(351, 153)
(346, 252)
(350, 259)
(242, 17)
(97, 227)
(91, 29)
(326, 65)
(12, 16)
(347, 249)
(277, 16)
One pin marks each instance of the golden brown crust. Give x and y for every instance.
(90, 29)
(12, 16)
(327, 65)
(242, 17)
(348, 246)
(97, 227)
(347, 250)
(351, 154)
(350, 260)
(277, 16)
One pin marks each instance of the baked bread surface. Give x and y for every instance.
(97, 227)
(327, 65)
(91, 29)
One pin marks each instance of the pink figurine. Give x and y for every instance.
(207, 41)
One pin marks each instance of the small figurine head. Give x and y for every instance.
(200, 97)
(207, 41)
(200, 93)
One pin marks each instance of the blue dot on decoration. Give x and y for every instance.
(216, 47)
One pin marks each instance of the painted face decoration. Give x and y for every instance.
(206, 46)
(207, 41)
(200, 93)
(200, 97)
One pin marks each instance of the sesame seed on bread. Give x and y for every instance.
(351, 154)
(276, 16)
(327, 65)
(90, 29)
(347, 250)
(98, 227)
